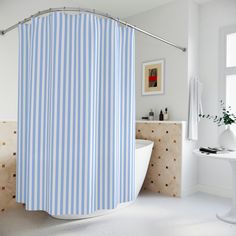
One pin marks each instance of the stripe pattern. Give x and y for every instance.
(76, 106)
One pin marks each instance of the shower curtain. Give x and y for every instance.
(76, 118)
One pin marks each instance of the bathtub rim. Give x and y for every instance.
(143, 143)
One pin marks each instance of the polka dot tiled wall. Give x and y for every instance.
(164, 172)
(8, 144)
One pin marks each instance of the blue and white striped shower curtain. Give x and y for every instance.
(76, 129)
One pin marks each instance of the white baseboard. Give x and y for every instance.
(222, 192)
(218, 191)
(189, 191)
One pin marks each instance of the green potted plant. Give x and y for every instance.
(227, 138)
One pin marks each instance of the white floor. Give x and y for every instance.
(151, 215)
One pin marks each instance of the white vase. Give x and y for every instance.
(227, 139)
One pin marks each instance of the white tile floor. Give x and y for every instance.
(150, 215)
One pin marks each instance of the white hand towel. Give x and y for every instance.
(195, 107)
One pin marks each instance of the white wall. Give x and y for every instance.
(190, 161)
(193, 39)
(177, 21)
(171, 22)
(214, 176)
(12, 11)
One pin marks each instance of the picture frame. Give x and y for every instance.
(153, 77)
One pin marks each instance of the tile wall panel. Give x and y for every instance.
(8, 145)
(164, 171)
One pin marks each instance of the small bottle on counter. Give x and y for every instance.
(151, 115)
(161, 116)
(166, 115)
(145, 118)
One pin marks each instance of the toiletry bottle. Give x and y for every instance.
(166, 115)
(161, 116)
(151, 115)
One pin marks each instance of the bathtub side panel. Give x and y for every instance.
(142, 159)
(164, 170)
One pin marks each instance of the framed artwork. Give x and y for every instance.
(153, 77)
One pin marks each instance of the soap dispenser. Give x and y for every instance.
(166, 115)
(161, 116)
(151, 115)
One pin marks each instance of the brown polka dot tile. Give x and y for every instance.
(8, 142)
(166, 156)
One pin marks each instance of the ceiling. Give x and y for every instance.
(125, 8)
(119, 8)
(18, 9)
(203, 1)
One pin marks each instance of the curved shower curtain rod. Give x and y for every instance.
(3, 32)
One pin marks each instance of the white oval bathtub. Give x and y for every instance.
(143, 152)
